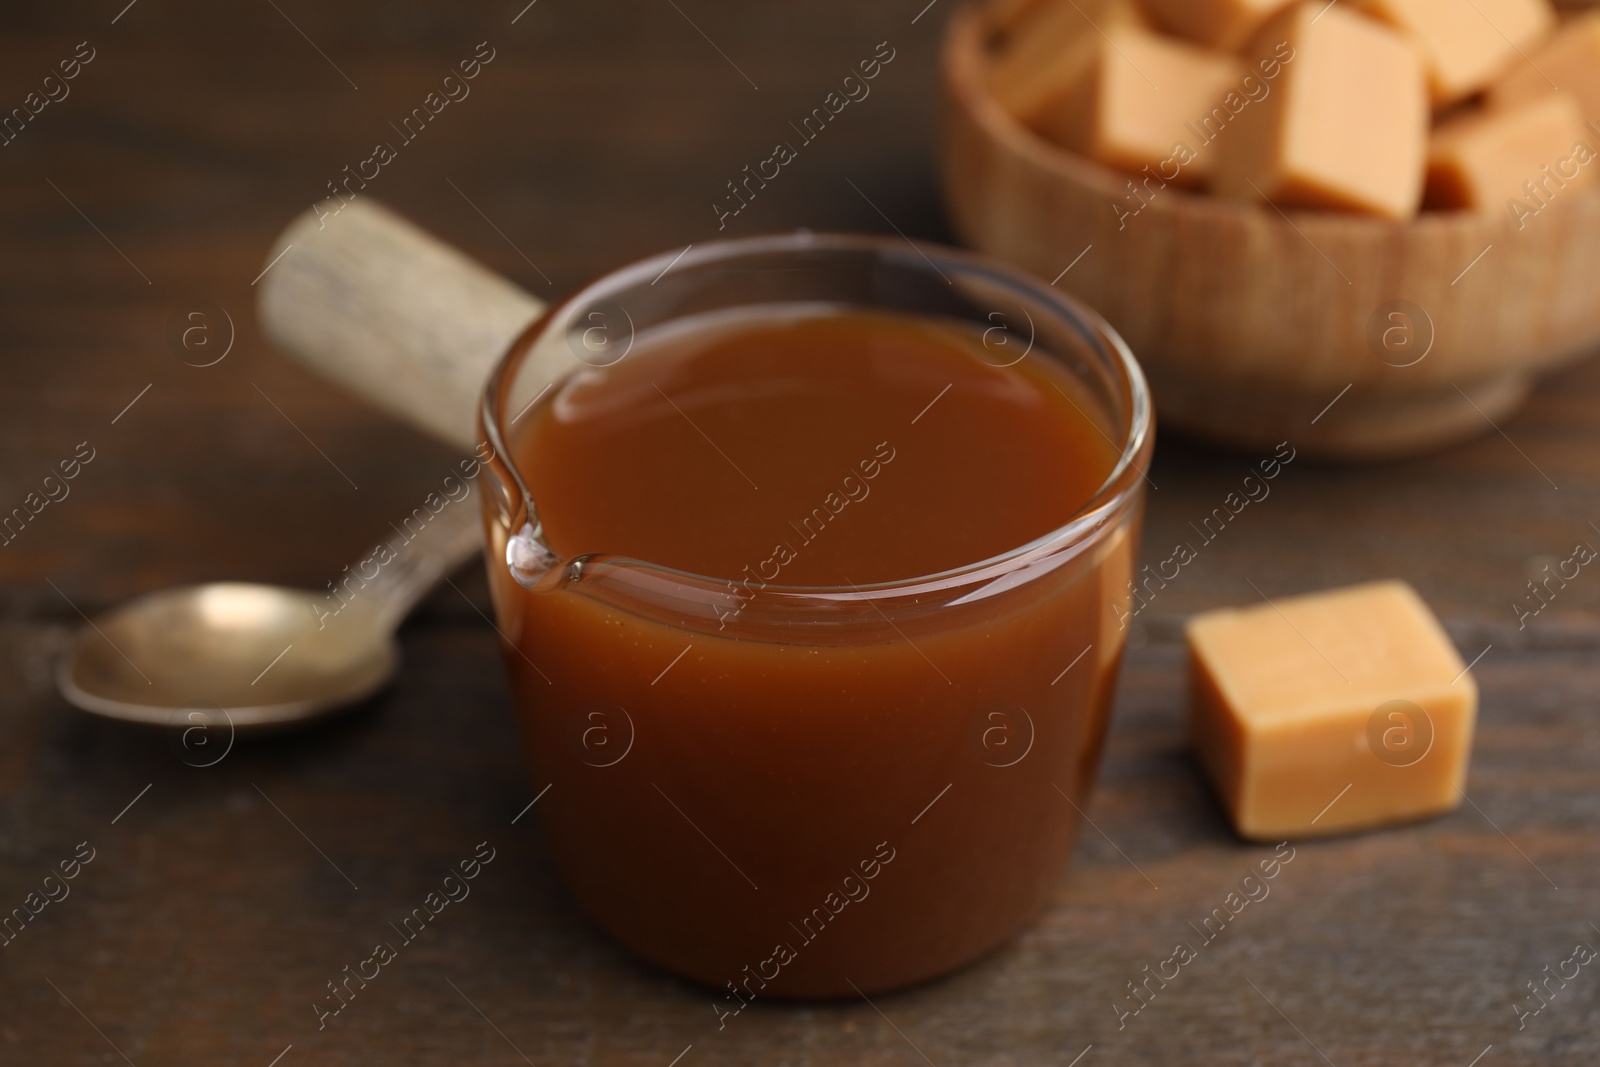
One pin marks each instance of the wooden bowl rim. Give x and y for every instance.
(962, 64)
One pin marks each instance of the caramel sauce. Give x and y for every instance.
(790, 793)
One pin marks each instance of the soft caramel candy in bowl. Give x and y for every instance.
(1250, 321)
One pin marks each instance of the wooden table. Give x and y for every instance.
(220, 899)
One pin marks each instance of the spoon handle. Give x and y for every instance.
(421, 555)
(396, 316)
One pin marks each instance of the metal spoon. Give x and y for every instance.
(262, 654)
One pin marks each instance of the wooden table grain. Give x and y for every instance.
(220, 900)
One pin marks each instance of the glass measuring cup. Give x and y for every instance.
(830, 789)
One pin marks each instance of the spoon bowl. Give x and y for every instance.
(257, 651)
(262, 655)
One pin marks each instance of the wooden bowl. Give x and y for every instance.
(1249, 322)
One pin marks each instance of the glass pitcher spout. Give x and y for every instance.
(528, 558)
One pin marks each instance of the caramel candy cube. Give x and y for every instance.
(1143, 101)
(1330, 712)
(1346, 124)
(1466, 43)
(1570, 59)
(1224, 24)
(1516, 158)
(1049, 50)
